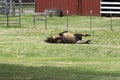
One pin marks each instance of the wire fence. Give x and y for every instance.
(10, 12)
(28, 8)
(110, 23)
(69, 22)
(82, 23)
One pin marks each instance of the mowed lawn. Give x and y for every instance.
(25, 56)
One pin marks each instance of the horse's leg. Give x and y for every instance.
(85, 35)
(61, 34)
(83, 42)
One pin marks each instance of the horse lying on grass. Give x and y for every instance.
(67, 37)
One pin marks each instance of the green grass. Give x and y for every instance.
(25, 56)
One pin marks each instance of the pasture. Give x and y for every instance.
(25, 56)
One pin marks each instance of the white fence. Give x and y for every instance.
(110, 8)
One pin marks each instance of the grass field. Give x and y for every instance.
(25, 56)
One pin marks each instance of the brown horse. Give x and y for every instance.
(67, 37)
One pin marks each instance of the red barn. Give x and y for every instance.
(80, 7)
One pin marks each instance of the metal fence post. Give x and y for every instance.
(111, 21)
(90, 19)
(67, 19)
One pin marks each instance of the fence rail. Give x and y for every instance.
(28, 7)
(114, 3)
(110, 8)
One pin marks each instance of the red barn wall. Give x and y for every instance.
(64, 5)
(81, 7)
(88, 5)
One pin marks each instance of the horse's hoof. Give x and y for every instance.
(88, 41)
(87, 35)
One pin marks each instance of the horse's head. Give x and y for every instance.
(54, 39)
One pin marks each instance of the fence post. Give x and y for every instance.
(111, 21)
(67, 19)
(7, 20)
(13, 8)
(90, 19)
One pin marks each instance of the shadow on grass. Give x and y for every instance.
(19, 72)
